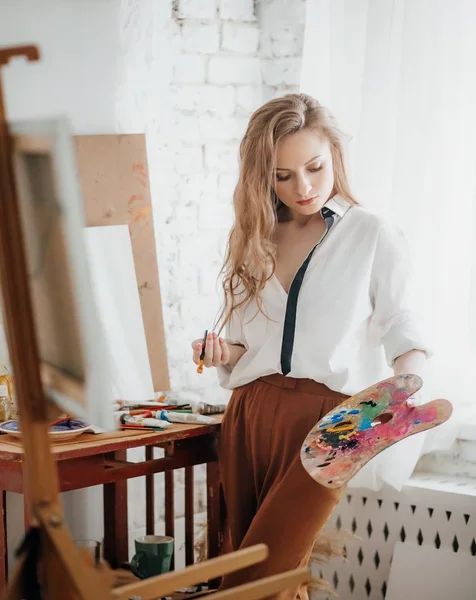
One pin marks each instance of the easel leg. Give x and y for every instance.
(3, 540)
(116, 538)
(14, 591)
(58, 585)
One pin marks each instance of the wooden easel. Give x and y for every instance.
(64, 572)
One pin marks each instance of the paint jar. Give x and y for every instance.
(7, 381)
(4, 403)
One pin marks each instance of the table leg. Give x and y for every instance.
(116, 538)
(149, 496)
(3, 540)
(170, 510)
(189, 516)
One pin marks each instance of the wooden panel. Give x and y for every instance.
(114, 179)
(78, 473)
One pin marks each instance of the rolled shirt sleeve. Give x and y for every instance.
(396, 321)
(234, 335)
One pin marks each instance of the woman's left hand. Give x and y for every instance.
(411, 362)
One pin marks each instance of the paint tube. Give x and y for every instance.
(204, 408)
(144, 421)
(175, 417)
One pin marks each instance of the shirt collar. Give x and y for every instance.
(337, 205)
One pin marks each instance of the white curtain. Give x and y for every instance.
(400, 77)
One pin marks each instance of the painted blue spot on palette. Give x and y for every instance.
(366, 423)
(354, 411)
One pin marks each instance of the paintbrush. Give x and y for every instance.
(60, 420)
(140, 427)
(202, 355)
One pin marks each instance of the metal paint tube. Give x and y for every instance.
(204, 408)
(174, 417)
(144, 421)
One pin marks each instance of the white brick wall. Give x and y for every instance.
(237, 10)
(281, 43)
(226, 70)
(191, 9)
(203, 99)
(190, 69)
(240, 37)
(200, 38)
(281, 72)
(193, 72)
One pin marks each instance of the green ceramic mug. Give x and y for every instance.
(153, 555)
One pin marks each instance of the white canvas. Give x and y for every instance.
(116, 293)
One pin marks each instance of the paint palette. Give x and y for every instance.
(365, 424)
(58, 433)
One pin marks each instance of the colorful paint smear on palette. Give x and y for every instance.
(365, 425)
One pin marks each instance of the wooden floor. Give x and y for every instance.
(190, 596)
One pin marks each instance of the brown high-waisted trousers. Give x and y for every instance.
(269, 496)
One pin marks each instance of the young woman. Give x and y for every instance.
(316, 308)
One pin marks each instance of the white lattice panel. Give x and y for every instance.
(439, 512)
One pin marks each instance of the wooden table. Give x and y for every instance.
(101, 459)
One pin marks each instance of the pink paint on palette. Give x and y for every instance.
(364, 425)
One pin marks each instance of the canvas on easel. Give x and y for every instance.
(72, 350)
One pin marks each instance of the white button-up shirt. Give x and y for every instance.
(354, 311)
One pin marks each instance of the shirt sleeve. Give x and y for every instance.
(395, 320)
(234, 334)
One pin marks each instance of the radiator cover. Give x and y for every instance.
(435, 511)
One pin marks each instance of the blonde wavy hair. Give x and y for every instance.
(250, 258)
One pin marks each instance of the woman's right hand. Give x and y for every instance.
(217, 351)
